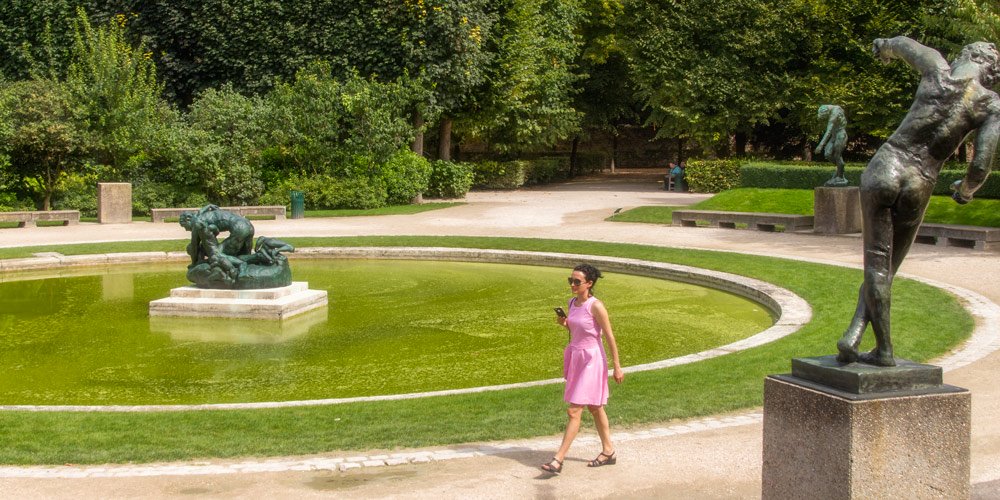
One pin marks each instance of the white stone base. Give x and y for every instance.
(268, 303)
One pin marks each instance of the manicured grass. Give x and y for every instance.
(722, 384)
(942, 209)
(393, 210)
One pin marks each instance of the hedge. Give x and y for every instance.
(771, 175)
(518, 173)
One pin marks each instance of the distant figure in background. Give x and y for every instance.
(676, 175)
(834, 140)
(951, 102)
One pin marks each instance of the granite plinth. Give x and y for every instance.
(819, 444)
(114, 202)
(861, 378)
(267, 303)
(836, 210)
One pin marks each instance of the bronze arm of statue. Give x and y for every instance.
(951, 102)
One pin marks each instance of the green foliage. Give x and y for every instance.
(115, 83)
(405, 176)
(48, 136)
(769, 175)
(707, 68)
(712, 176)
(530, 99)
(499, 174)
(772, 175)
(320, 123)
(450, 179)
(327, 192)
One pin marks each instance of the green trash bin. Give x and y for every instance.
(298, 204)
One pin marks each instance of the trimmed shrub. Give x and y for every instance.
(405, 176)
(547, 169)
(326, 192)
(772, 175)
(449, 179)
(499, 174)
(712, 176)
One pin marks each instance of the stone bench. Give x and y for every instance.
(754, 220)
(278, 211)
(954, 235)
(30, 218)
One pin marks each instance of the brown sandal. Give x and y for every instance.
(608, 460)
(547, 467)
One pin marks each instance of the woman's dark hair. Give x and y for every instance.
(591, 273)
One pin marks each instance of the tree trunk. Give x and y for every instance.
(614, 152)
(418, 139)
(444, 139)
(741, 143)
(572, 157)
(807, 150)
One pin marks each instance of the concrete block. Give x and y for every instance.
(837, 210)
(829, 444)
(114, 202)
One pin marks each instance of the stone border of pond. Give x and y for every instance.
(790, 310)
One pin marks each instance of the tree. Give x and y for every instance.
(532, 80)
(710, 68)
(115, 83)
(48, 135)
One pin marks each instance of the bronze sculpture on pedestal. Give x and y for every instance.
(951, 102)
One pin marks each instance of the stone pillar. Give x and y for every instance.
(878, 439)
(114, 202)
(837, 210)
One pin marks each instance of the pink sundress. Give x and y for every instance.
(585, 365)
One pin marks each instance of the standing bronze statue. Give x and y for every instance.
(950, 103)
(834, 140)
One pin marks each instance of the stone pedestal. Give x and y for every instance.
(851, 442)
(114, 202)
(268, 303)
(837, 210)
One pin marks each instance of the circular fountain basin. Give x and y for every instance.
(392, 327)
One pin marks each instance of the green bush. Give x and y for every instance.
(449, 179)
(499, 174)
(405, 176)
(770, 175)
(783, 176)
(9, 202)
(547, 169)
(712, 176)
(77, 192)
(327, 192)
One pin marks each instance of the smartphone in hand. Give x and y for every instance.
(560, 312)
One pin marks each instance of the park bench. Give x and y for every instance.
(30, 218)
(278, 211)
(754, 220)
(955, 235)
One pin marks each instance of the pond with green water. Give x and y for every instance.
(391, 327)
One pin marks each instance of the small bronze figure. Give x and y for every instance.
(834, 140)
(951, 102)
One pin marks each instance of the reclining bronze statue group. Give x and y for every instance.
(235, 262)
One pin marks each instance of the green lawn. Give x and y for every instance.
(346, 212)
(721, 384)
(942, 209)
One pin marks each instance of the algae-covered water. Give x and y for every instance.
(391, 327)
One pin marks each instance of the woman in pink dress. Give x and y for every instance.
(585, 366)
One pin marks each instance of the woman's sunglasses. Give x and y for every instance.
(574, 281)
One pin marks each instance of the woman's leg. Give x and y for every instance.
(575, 413)
(603, 429)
